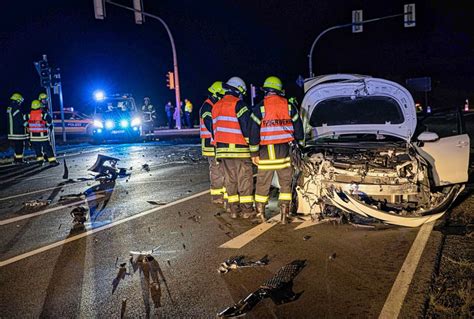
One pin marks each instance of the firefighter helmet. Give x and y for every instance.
(216, 88)
(237, 83)
(42, 96)
(36, 105)
(273, 83)
(17, 97)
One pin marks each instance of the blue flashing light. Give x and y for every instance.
(99, 95)
(123, 123)
(109, 124)
(99, 130)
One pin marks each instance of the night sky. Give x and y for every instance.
(219, 39)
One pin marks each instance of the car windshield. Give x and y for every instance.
(346, 110)
(114, 105)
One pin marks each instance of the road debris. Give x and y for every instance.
(36, 203)
(146, 167)
(333, 256)
(72, 196)
(279, 288)
(156, 203)
(122, 272)
(106, 169)
(240, 262)
(124, 307)
(195, 218)
(184, 246)
(306, 237)
(66, 171)
(79, 216)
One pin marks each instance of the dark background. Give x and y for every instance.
(219, 39)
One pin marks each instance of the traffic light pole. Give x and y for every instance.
(175, 56)
(310, 55)
(50, 111)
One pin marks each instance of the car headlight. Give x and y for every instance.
(136, 121)
(123, 123)
(109, 124)
(98, 123)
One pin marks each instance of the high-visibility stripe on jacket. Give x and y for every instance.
(226, 123)
(16, 127)
(276, 125)
(36, 123)
(204, 133)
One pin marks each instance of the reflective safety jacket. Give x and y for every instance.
(38, 125)
(149, 112)
(275, 123)
(205, 127)
(16, 124)
(188, 107)
(276, 126)
(230, 118)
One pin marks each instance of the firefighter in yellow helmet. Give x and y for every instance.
(43, 98)
(38, 122)
(275, 124)
(216, 175)
(16, 127)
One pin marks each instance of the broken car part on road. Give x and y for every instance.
(240, 262)
(363, 158)
(106, 169)
(279, 288)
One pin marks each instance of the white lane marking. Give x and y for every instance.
(396, 297)
(42, 190)
(49, 210)
(245, 238)
(6, 262)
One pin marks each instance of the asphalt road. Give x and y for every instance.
(49, 270)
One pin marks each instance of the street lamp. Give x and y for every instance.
(99, 10)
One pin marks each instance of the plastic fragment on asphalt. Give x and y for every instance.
(123, 308)
(156, 203)
(240, 262)
(306, 237)
(36, 203)
(66, 171)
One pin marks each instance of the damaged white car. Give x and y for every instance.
(366, 156)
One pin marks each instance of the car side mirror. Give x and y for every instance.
(428, 137)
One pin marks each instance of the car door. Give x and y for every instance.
(448, 155)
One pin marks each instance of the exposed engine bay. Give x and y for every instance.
(386, 181)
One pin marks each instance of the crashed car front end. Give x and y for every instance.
(363, 164)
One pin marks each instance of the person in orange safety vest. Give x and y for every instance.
(39, 122)
(275, 124)
(216, 174)
(230, 119)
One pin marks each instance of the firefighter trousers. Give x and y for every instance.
(216, 176)
(264, 181)
(238, 182)
(18, 148)
(42, 149)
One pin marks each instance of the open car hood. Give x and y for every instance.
(354, 104)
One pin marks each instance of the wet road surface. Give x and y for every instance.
(49, 270)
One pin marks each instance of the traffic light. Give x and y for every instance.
(99, 9)
(357, 18)
(45, 73)
(170, 80)
(409, 15)
(138, 5)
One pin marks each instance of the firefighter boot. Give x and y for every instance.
(249, 213)
(284, 211)
(234, 210)
(260, 207)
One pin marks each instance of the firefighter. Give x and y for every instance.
(39, 122)
(149, 114)
(43, 98)
(274, 124)
(216, 174)
(16, 127)
(230, 117)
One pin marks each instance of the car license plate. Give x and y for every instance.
(118, 131)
